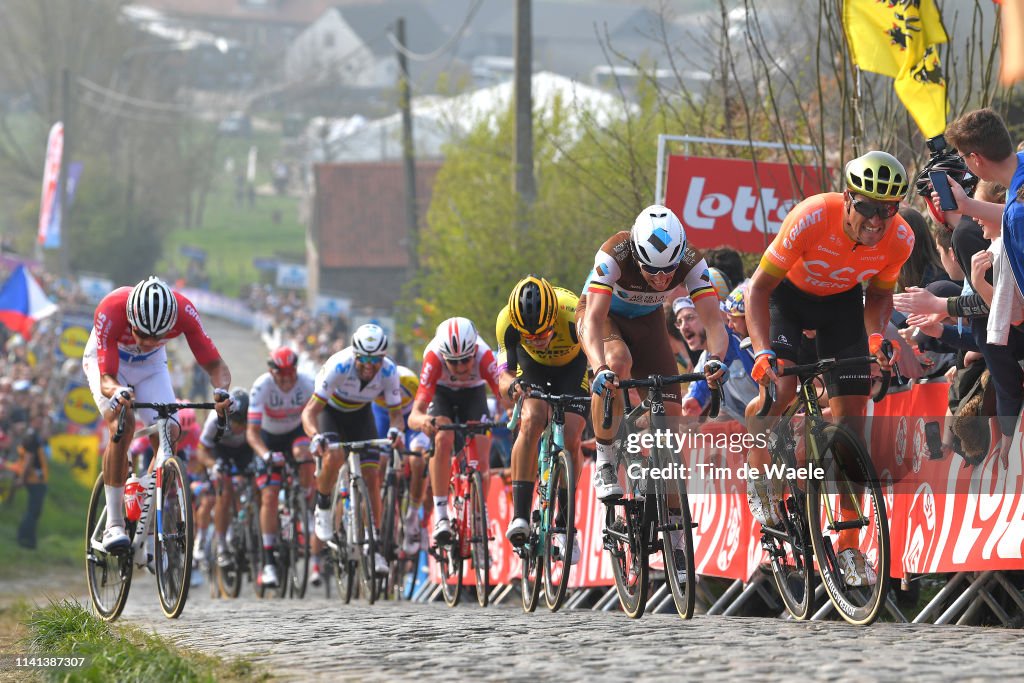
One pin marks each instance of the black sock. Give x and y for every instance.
(323, 501)
(522, 499)
(563, 503)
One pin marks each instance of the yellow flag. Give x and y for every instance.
(80, 452)
(898, 38)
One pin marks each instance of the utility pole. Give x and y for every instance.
(408, 150)
(525, 187)
(64, 253)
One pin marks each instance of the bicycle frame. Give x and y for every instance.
(464, 464)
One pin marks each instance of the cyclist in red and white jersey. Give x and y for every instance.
(456, 366)
(275, 434)
(125, 359)
(344, 389)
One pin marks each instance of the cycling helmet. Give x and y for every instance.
(736, 302)
(186, 418)
(657, 238)
(877, 175)
(370, 340)
(152, 307)
(456, 338)
(720, 282)
(533, 305)
(241, 397)
(284, 360)
(953, 165)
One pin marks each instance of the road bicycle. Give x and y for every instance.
(397, 499)
(808, 506)
(638, 525)
(353, 546)
(243, 538)
(291, 547)
(542, 560)
(167, 505)
(467, 499)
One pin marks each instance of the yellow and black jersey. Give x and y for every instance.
(564, 345)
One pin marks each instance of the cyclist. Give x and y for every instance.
(225, 459)
(538, 344)
(622, 323)
(125, 359)
(275, 434)
(810, 279)
(456, 366)
(416, 442)
(343, 391)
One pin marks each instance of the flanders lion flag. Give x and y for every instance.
(80, 452)
(899, 39)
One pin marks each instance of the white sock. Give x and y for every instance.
(115, 505)
(605, 454)
(268, 540)
(441, 506)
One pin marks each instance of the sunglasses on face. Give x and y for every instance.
(871, 209)
(369, 360)
(652, 270)
(459, 361)
(282, 372)
(539, 337)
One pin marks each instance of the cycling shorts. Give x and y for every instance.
(460, 405)
(233, 460)
(564, 379)
(838, 320)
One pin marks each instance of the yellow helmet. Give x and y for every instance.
(877, 175)
(532, 305)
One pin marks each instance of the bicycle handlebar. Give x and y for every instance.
(468, 427)
(537, 392)
(659, 381)
(824, 365)
(164, 411)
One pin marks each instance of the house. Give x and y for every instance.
(358, 237)
(349, 45)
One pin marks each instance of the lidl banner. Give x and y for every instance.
(81, 453)
(734, 201)
(74, 335)
(79, 406)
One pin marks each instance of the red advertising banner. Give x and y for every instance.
(734, 202)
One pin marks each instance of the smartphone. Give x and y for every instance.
(941, 185)
(933, 437)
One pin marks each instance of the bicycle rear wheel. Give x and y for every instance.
(479, 542)
(253, 549)
(109, 575)
(364, 539)
(676, 528)
(623, 528)
(449, 560)
(173, 558)
(298, 543)
(557, 563)
(849, 478)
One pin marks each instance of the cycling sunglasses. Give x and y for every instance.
(653, 270)
(460, 361)
(369, 360)
(871, 209)
(540, 336)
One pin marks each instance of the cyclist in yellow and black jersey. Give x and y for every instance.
(538, 344)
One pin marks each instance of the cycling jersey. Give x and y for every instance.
(616, 272)
(435, 372)
(277, 411)
(561, 350)
(228, 440)
(814, 252)
(112, 339)
(410, 383)
(338, 384)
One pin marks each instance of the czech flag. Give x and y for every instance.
(22, 302)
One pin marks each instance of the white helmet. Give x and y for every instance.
(370, 340)
(151, 308)
(456, 338)
(657, 238)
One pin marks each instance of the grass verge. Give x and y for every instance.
(121, 653)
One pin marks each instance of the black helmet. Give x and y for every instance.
(953, 165)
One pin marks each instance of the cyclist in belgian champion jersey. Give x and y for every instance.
(810, 279)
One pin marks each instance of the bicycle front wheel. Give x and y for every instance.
(109, 575)
(479, 540)
(337, 549)
(449, 559)
(390, 541)
(850, 485)
(364, 538)
(676, 528)
(561, 522)
(175, 533)
(298, 544)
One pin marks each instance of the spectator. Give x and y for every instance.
(34, 475)
(923, 267)
(727, 260)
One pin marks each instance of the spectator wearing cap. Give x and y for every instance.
(739, 389)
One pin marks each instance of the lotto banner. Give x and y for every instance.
(735, 201)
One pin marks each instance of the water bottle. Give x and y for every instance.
(133, 498)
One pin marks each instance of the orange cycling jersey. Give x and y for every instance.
(814, 253)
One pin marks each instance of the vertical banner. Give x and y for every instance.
(53, 232)
(51, 178)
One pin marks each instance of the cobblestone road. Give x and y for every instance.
(317, 639)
